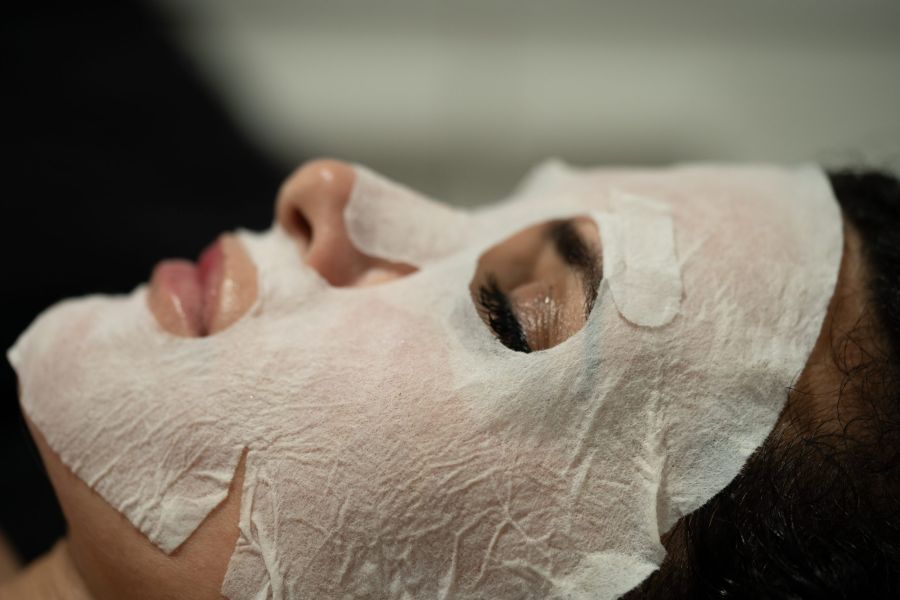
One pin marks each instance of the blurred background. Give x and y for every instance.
(138, 130)
(461, 97)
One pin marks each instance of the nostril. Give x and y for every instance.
(300, 226)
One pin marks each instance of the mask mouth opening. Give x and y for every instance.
(201, 299)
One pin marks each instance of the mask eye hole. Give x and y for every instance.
(536, 288)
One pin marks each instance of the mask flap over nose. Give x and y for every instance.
(393, 222)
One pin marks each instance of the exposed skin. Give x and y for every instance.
(103, 557)
(9, 561)
(820, 399)
(234, 294)
(310, 206)
(51, 577)
(548, 298)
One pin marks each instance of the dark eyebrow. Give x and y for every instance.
(585, 258)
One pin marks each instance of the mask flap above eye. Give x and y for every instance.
(639, 261)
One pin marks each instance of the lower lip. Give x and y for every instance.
(185, 296)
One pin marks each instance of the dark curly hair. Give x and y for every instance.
(816, 514)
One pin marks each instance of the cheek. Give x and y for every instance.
(365, 454)
(425, 490)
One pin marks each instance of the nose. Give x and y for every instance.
(310, 207)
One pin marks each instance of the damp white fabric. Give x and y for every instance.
(640, 264)
(396, 449)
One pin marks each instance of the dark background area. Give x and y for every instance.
(117, 156)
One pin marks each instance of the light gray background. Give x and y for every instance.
(460, 98)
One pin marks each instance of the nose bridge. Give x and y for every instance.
(393, 222)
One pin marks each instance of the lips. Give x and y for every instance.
(195, 300)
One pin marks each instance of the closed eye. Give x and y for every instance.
(581, 256)
(495, 307)
(537, 288)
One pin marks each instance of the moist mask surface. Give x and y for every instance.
(396, 449)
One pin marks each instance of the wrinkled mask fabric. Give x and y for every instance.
(396, 449)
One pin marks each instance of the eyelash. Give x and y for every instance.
(501, 318)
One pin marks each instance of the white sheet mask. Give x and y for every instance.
(396, 449)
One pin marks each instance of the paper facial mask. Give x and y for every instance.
(395, 449)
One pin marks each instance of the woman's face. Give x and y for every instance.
(548, 273)
(385, 396)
